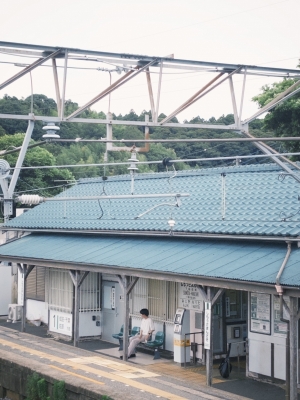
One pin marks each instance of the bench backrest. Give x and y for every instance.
(159, 337)
(135, 330)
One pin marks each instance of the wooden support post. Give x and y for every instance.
(209, 352)
(76, 308)
(127, 287)
(25, 271)
(212, 299)
(293, 347)
(23, 318)
(126, 318)
(77, 280)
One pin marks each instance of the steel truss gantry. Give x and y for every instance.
(132, 65)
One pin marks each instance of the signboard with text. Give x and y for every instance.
(260, 313)
(60, 322)
(207, 325)
(280, 327)
(189, 297)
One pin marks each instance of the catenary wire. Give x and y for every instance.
(273, 155)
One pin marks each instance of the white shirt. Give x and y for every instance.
(147, 326)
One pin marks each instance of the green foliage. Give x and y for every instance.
(284, 119)
(42, 389)
(59, 391)
(36, 388)
(32, 387)
(38, 156)
(82, 153)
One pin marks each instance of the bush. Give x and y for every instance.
(59, 391)
(32, 387)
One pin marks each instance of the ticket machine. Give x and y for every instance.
(181, 342)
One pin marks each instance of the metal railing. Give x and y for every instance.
(244, 345)
(193, 345)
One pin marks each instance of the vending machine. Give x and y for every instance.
(181, 340)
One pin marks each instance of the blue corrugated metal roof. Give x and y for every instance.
(251, 262)
(257, 203)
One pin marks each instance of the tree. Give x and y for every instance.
(284, 119)
(38, 180)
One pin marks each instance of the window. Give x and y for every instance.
(235, 305)
(90, 293)
(160, 297)
(35, 284)
(61, 288)
(60, 291)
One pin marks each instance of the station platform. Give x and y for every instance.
(95, 364)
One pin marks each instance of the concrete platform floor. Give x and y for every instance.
(237, 386)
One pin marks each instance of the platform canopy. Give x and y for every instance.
(239, 265)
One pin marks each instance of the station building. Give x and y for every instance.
(227, 237)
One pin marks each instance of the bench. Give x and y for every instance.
(156, 344)
(119, 336)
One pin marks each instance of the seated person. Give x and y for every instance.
(147, 327)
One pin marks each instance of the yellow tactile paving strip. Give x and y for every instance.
(120, 369)
(117, 368)
(184, 374)
(79, 376)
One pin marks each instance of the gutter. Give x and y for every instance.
(111, 232)
(279, 290)
(278, 287)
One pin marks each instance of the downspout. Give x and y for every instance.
(279, 290)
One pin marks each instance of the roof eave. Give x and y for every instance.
(175, 234)
(194, 279)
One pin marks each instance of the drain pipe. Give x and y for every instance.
(279, 290)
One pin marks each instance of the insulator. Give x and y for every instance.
(51, 130)
(133, 168)
(4, 169)
(30, 199)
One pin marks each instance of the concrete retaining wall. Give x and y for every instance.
(13, 380)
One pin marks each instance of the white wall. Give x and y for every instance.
(88, 327)
(5, 289)
(259, 356)
(260, 361)
(37, 311)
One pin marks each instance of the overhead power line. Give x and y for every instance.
(202, 140)
(160, 162)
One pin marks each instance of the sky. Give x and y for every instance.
(256, 32)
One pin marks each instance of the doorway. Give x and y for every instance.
(112, 309)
